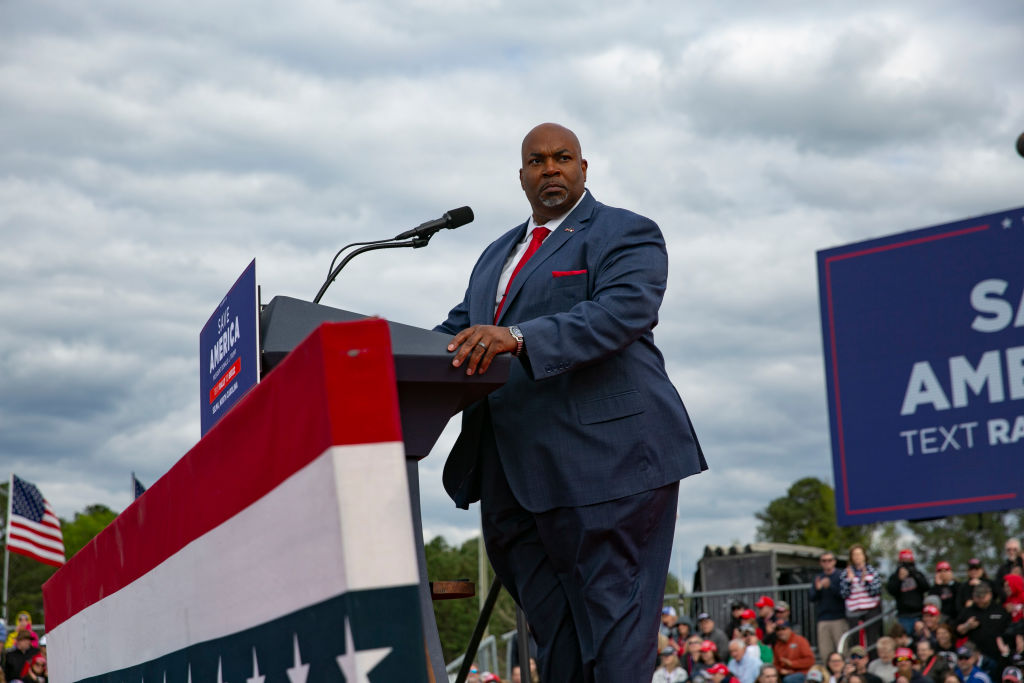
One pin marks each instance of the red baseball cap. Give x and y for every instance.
(942, 565)
(904, 653)
(906, 555)
(708, 646)
(930, 609)
(747, 614)
(764, 601)
(718, 669)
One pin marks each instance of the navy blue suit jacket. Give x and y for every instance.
(588, 413)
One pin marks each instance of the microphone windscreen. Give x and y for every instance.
(459, 216)
(1020, 145)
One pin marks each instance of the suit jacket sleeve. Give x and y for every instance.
(629, 266)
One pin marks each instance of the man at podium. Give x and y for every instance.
(577, 458)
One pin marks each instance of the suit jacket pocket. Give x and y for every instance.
(611, 407)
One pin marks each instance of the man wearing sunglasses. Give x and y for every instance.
(968, 670)
(829, 609)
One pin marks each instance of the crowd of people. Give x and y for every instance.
(946, 630)
(24, 656)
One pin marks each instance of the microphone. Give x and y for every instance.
(452, 219)
(1020, 146)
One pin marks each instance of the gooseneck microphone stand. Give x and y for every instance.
(415, 243)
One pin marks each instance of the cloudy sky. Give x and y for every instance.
(149, 151)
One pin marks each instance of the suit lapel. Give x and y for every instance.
(574, 223)
(484, 296)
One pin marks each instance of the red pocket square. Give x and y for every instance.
(563, 273)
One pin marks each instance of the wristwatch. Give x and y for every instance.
(518, 335)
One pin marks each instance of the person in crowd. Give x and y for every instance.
(975, 577)
(669, 621)
(34, 670)
(924, 628)
(766, 619)
(1013, 589)
(784, 613)
(1013, 674)
(857, 678)
(816, 674)
(861, 588)
(907, 586)
(22, 653)
(517, 675)
(968, 670)
(953, 676)
(670, 669)
(708, 658)
(905, 666)
(945, 643)
(834, 666)
(1011, 646)
(982, 622)
(945, 588)
(933, 667)
(736, 609)
(691, 655)
(489, 677)
(707, 630)
(792, 653)
(829, 607)
(22, 622)
(769, 674)
(749, 634)
(857, 663)
(748, 617)
(1013, 563)
(719, 673)
(744, 663)
(899, 636)
(884, 667)
(683, 630)
(474, 674)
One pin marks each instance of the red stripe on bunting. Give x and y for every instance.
(336, 388)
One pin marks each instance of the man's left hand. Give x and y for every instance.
(478, 345)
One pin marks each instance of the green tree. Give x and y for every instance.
(806, 515)
(958, 538)
(457, 618)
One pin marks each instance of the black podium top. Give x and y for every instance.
(430, 390)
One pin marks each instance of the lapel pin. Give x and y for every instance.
(569, 230)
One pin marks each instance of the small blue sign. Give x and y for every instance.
(924, 360)
(229, 350)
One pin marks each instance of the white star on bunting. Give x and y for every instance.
(256, 678)
(355, 665)
(298, 672)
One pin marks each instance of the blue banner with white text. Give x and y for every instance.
(923, 337)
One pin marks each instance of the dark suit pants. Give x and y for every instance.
(590, 579)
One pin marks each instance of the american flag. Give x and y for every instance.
(137, 488)
(33, 528)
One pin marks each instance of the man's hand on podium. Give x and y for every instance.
(479, 344)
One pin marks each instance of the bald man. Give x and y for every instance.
(577, 459)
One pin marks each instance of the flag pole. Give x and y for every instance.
(7, 549)
(131, 496)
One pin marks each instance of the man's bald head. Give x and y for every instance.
(557, 128)
(554, 171)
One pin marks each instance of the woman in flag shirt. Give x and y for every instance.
(861, 588)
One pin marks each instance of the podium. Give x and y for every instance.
(284, 544)
(430, 392)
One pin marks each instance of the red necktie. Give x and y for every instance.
(535, 241)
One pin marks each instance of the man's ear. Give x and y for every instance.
(521, 183)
